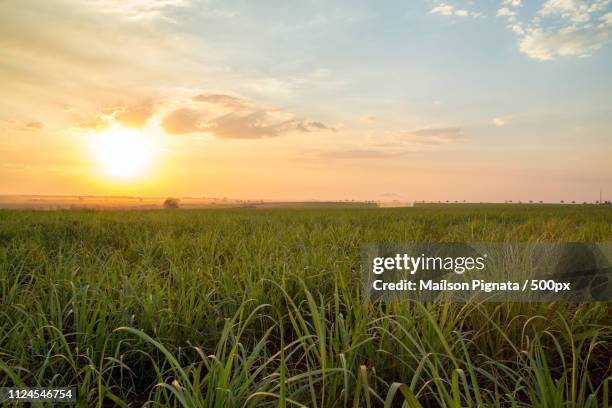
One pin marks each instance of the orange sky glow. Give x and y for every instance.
(189, 98)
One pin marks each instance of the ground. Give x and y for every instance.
(256, 307)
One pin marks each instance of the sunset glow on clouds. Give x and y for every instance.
(307, 100)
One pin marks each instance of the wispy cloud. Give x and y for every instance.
(231, 117)
(443, 9)
(396, 144)
(34, 125)
(221, 99)
(13, 124)
(368, 119)
(446, 9)
(137, 9)
(506, 12)
(435, 136)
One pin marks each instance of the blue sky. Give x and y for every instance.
(313, 99)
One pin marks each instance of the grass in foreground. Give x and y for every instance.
(262, 308)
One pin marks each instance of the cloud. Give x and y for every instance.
(505, 11)
(317, 125)
(87, 56)
(134, 116)
(445, 9)
(223, 116)
(517, 29)
(221, 99)
(561, 28)
(252, 125)
(182, 121)
(312, 126)
(368, 119)
(544, 45)
(442, 9)
(230, 117)
(16, 124)
(397, 144)
(577, 11)
(136, 9)
(98, 121)
(258, 124)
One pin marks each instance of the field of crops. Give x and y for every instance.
(262, 307)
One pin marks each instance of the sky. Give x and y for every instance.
(307, 100)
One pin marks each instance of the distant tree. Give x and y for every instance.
(171, 203)
(530, 201)
(573, 202)
(510, 201)
(541, 202)
(562, 201)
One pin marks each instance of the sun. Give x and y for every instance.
(123, 153)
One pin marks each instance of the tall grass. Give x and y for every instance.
(251, 308)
